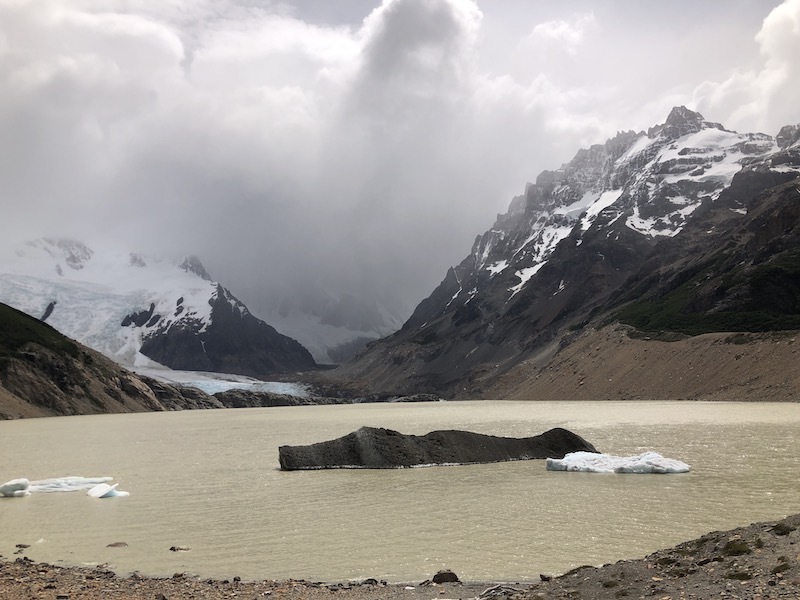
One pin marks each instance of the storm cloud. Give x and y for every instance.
(358, 149)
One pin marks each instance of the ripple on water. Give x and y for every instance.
(210, 480)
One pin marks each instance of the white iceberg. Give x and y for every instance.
(15, 488)
(590, 462)
(24, 487)
(103, 490)
(71, 483)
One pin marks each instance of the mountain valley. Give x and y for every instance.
(660, 265)
(687, 228)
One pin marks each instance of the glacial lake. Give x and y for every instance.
(209, 480)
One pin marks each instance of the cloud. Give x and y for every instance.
(362, 156)
(768, 96)
(567, 35)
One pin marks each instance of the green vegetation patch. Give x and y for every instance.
(18, 329)
(771, 302)
(782, 528)
(781, 568)
(736, 548)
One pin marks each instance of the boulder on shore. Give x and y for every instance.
(378, 448)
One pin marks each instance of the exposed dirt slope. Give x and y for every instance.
(617, 363)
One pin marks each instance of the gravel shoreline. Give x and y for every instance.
(760, 561)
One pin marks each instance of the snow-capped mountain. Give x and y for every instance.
(142, 311)
(568, 246)
(649, 182)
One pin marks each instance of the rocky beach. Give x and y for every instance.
(759, 561)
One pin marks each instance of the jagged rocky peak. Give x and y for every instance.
(620, 143)
(651, 182)
(680, 122)
(76, 254)
(648, 183)
(680, 116)
(597, 155)
(788, 136)
(192, 264)
(589, 170)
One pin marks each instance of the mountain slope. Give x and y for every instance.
(43, 373)
(136, 310)
(615, 362)
(743, 278)
(605, 229)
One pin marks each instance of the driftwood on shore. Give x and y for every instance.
(378, 448)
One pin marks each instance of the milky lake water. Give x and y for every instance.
(209, 480)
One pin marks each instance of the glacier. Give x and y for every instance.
(590, 462)
(23, 487)
(90, 293)
(143, 311)
(213, 383)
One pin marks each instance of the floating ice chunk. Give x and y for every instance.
(15, 488)
(590, 462)
(70, 483)
(23, 487)
(103, 490)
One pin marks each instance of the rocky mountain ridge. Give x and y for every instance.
(618, 222)
(43, 373)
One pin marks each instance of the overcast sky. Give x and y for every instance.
(358, 144)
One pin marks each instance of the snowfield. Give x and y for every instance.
(91, 293)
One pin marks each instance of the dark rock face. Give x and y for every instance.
(48, 311)
(234, 341)
(378, 448)
(747, 279)
(445, 576)
(788, 136)
(138, 319)
(248, 399)
(192, 264)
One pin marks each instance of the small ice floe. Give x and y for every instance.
(23, 487)
(71, 483)
(590, 462)
(103, 490)
(15, 488)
